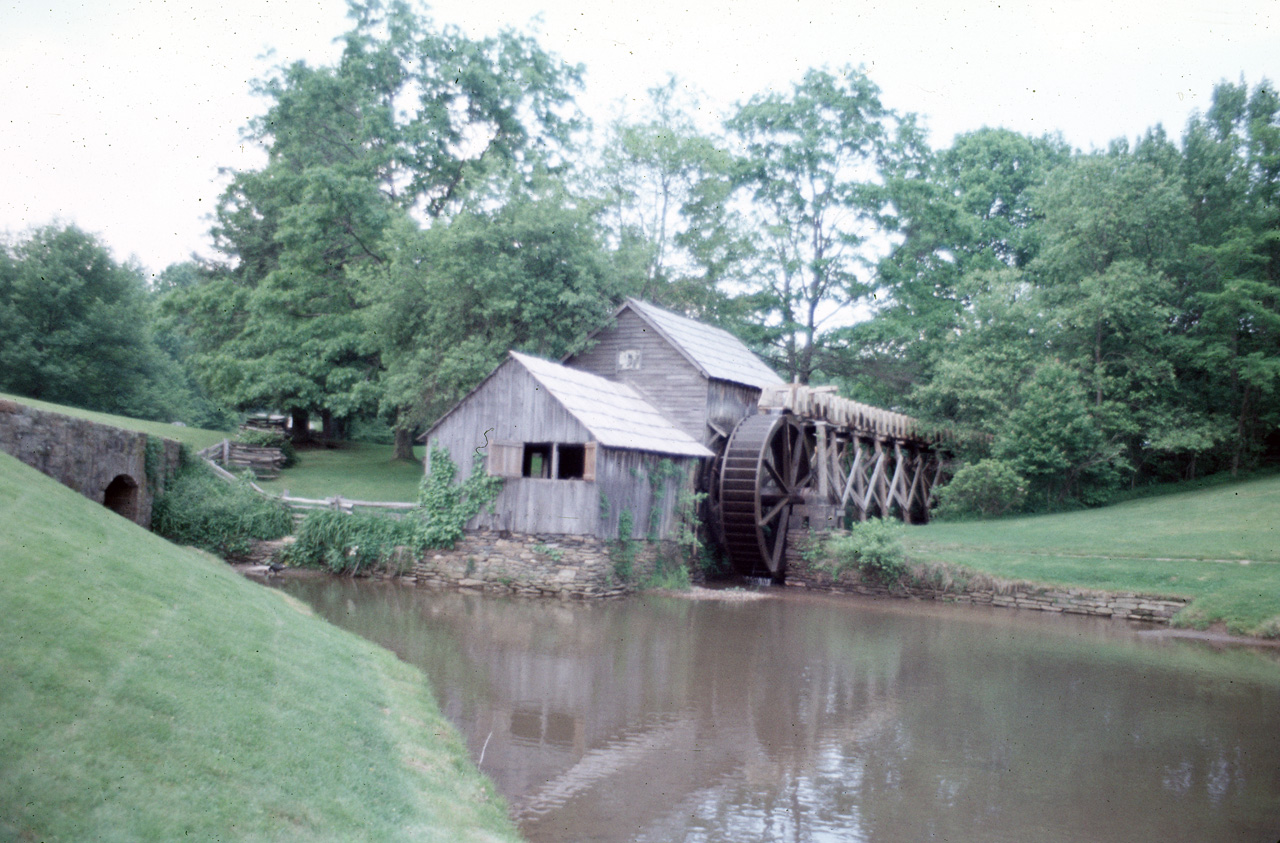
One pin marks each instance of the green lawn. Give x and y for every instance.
(1218, 545)
(151, 693)
(355, 470)
(196, 437)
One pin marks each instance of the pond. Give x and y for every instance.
(804, 717)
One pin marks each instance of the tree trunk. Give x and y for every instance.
(329, 427)
(404, 443)
(300, 421)
(1241, 430)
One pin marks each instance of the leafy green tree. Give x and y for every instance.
(954, 213)
(660, 178)
(1053, 440)
(808, 165)
(172, 334)
(1002, 337)
(1231, 305)
(412, 119)
(451, 300)
(75, 329)
(1237, 337)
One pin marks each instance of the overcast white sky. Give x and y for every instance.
(117, 114)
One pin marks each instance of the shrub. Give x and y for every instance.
(984, 489)
(872, 547)
(352, 543)
(623, 551)
(445, 507)
(200, 509)
(670, 574)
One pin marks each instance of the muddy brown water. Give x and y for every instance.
(812, 718)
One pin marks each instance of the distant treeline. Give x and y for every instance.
(430, 201)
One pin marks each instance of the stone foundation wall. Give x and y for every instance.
(535, 565)
(982, 590)
(85, 455)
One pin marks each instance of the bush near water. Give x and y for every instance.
(202, 510)
(358, 542)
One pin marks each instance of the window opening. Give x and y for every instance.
(573, 462)
(537, 460)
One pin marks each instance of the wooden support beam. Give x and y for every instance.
(876, 481)
(824, 477)
(917, 470)
(896, 489)
(855, 473)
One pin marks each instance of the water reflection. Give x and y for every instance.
(811, 719)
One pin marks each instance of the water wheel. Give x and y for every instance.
(766, 466)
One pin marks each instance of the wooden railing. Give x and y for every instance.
(300, 506)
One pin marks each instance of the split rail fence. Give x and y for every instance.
(300, 506)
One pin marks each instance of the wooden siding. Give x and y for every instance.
(582, 507)
(534, 505)
(730, 403)
(664, 378)
(623, 479)
(509, 406)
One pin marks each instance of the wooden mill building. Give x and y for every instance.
(703, 378)
(607, 430)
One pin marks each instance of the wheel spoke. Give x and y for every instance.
(773, 513)
(779, 542)
(777, 477)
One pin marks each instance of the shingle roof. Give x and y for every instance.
(614, 412)
(714, 351)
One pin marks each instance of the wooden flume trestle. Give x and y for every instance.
(813, 460)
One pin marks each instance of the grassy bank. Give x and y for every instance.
(196, 437)
(355, 470)
(1219, 546)
(150, 693)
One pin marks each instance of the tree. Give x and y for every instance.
(661, 178)
(1231, 309)
(1053, 439)
(451, 300)
(411, 119)
(808, 171)
(954, 213)
(1001, 338)
(75, 328)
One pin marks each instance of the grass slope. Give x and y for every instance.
(356, 470)
(151, 693)
(1219, 546)
(198, 438)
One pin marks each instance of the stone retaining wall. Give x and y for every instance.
(104, 463)
(983, 590)
(535, 565)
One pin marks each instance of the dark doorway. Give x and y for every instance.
(121, 497)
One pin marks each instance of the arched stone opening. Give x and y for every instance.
(121, 496)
